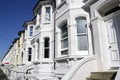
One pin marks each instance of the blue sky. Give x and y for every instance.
(13, 13)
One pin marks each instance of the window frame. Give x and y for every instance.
(82, 34)
(38, 49)
(46, 55)
(64, 50)
(29, 54)
(45, 13)
(31, 31)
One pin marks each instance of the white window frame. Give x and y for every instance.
(82, 52)
(64, 51)
(47, 48)
(31, 32)
(47, 22)
(29, 55)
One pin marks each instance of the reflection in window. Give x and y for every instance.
(64, 36)
(82, 33)
(46, 48)
(47, 14)
(31, 30)
(64, 39)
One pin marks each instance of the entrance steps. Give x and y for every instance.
(110, 75)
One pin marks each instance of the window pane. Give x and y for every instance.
(64, 29)
(46, 44)
(46, 55)
(64, 43)
(82, 42)
(29, 58)
(47, 15)
(65, 52)
(30, 51)
(29, 54)
(64, 32)
(64, 35)
(46, 48)
(64, 39)
(31, 31)
(81, 26)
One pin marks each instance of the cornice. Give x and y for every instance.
(40, 3)
(88, 3)
(20, 32)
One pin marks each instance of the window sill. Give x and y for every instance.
(60, 5)
(64, 52)
(47, 22)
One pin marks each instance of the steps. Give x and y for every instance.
(102, 75)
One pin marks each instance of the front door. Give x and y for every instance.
(113, 44)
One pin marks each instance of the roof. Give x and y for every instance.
(40, 3)
(29, 22)
(20, 32)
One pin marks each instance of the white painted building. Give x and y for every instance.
(69, 39)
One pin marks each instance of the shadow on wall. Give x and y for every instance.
(2, 75)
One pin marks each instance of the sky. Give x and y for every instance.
(13, 14)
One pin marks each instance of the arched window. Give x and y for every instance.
(64, 39)
(82, 33)
(46, 48)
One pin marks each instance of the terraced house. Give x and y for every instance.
(67, 40)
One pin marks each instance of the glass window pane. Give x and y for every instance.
(64, 32)
(81, 26)
(46, 48)
(31, 30)
(46, 44)
(47, 16)
(82, 43)
(29, 54)
(65, 52)
(46, 55)
(29, 58)
(30, 51)
(64, 43)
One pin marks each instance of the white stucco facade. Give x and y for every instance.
(67, 40)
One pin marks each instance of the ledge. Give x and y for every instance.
(69, 57)
(60, 5)
(36, 62)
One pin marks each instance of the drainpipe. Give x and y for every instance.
(54, 30)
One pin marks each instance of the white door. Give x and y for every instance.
(113, 46)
